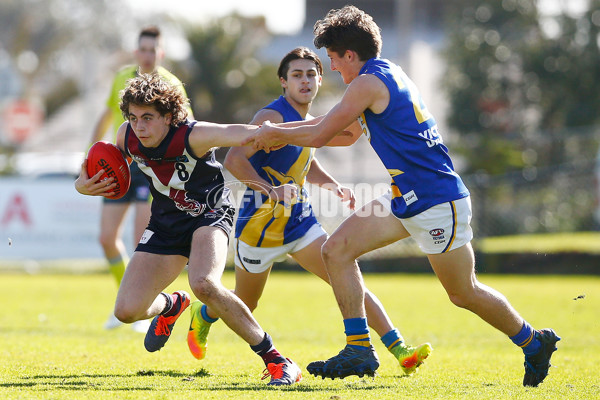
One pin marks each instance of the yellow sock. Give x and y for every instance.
(116, 266)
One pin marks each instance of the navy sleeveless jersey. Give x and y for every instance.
(262, 222)
(183, 185)
(406, 138)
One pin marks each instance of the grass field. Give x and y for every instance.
(579, 242)
(54, 346)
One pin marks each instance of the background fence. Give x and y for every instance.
(558, 192)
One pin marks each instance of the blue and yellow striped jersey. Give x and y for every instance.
(405, 136)
(262, 222)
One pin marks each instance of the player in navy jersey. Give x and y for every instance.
(190, 222)
(149, 55)
(427, 198)
(267, 231)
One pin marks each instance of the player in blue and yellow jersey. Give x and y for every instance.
(428, 200)
(267, 231)
(190, 223)
(148, 55)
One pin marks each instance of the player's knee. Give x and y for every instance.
(328, 250)
(125, 314)
(332, 250)
(204, 288)
(463, 299)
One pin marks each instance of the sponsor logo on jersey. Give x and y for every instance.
(139, 160)
(410, 197)
(432, 136)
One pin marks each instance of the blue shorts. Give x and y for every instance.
(177, 238)
(139, 190)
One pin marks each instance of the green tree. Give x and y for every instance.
(514, 77)
(568, 69)
(226, 82)
(44, 40)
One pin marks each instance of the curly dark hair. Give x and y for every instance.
(349, 28)
(152, 90)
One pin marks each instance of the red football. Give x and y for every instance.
(107, 156)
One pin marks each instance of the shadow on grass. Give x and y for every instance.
(108, 382)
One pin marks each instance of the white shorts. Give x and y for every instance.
(441, 228)
(259, 259)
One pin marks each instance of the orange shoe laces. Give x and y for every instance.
(162, 327)
(273, 370)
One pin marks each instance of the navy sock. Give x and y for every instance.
(169, 305)
(267, 351)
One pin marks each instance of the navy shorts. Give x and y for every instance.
(176, 239)
(139, 190)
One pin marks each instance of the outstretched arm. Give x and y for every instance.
(207, 135)
(237, 162)
(359, 96)
(347, 137)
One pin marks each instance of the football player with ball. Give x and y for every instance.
(191, 219)
(149, 54)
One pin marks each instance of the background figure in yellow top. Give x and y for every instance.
(148, 55)
(276, 219)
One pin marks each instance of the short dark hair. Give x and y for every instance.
(299, 53)
(152, 90)
(348, 28)
(149, 31)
